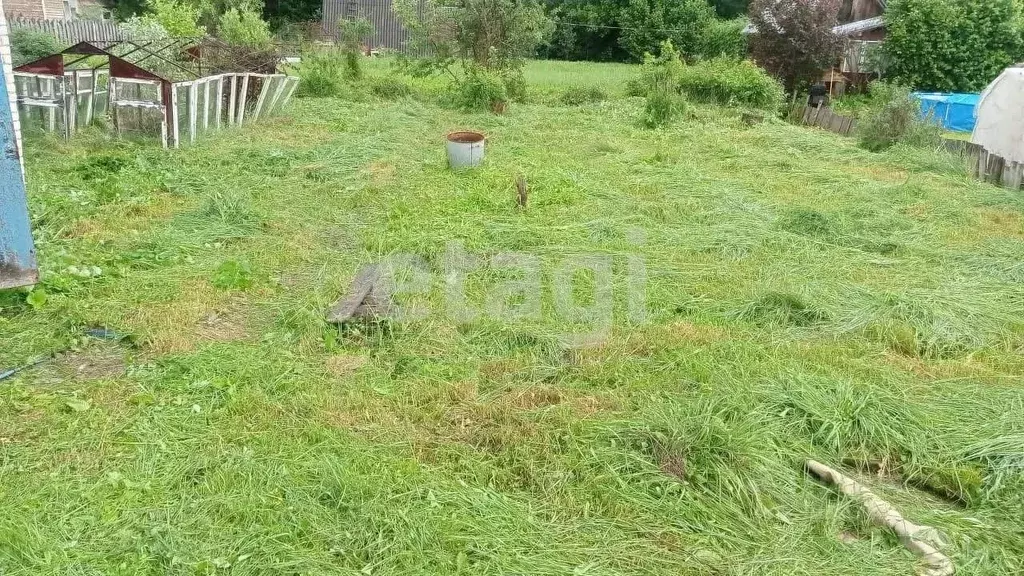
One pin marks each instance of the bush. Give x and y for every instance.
(244, 28)
(729, 83)
(28, 45)
(320, 75)
(657, 72)
(580, 95)
(893, 116)
(660, 78)
(389, 87)
(481, 89)
(352, 34)
(180, 19)
(662, 107)
(950, 45)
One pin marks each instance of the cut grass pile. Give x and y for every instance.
(805, 299)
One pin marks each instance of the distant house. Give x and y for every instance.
(862, 24)
(54, 9)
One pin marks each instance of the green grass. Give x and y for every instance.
(806, 299)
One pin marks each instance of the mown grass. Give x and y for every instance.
(805, 299)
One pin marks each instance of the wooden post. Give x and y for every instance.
(231, 99)
(90, 104)
(193, 96)
(163, 115)
(1011, 175)
(218, 105)
(175, 129)
(206, 105)
(51, 113)
(241, 99)
(75, 78)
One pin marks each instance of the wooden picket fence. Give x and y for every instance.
(823, 117)
(987, 166)
(73, 31)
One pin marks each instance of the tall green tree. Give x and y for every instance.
(730, 8)
(951, 45)
(622, 30)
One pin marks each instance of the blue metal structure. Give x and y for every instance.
(17, 253)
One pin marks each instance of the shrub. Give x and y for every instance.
(481, 89)
(320, 75)
(389, 87)
(352, 34)
(950, 45)
(893, 116)
(656, 72)
(180, 19)
(244, 28)
(28, 45)
(728, 82)
(662, 107)
(580, 95)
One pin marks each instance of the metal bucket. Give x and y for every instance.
(465, 149)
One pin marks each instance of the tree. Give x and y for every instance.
(793, 39)
(647, 23)
(244, 28)
(619, 30)
(730, 8)
(492, 34)
(951, 45)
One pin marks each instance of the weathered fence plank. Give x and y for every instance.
(73, 31)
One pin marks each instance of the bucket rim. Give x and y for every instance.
(466, 137)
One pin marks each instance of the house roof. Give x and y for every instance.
(859, 26)
(842, 29)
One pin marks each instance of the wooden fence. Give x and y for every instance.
(987, 166)
(823, 117)
(73, 31)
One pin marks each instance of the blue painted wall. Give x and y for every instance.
(17, 253)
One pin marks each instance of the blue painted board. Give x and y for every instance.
(17, 253)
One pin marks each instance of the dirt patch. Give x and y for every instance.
(938, 370)
(224, 324)
(93, 363)
(1002, 222)
(918, 211)
(343, 365)
(381, 172)
(696, 333)
(673, 464)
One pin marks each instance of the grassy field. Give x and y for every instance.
(805, 298)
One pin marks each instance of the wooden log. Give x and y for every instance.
(923, 541)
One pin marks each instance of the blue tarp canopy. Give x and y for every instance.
(951, 111)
